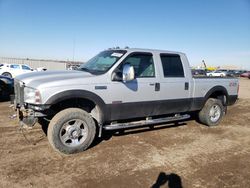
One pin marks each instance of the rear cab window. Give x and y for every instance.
(172, 65)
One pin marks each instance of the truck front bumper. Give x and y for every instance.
(28, 115)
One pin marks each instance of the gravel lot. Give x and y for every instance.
(184, 155)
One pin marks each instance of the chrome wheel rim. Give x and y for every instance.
(215, 113)
(73, 133)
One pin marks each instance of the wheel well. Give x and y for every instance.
(85, 104)
(7, 72)
(221, 95)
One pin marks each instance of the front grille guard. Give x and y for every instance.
(19, 93)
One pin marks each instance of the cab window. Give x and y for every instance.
(24, 67)
(143, 64)
(172, 65)
(15, 66)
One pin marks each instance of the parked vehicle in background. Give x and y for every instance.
(217, 73)
(231, 73)
(73, 67)
(119, 89)
(239, 72)
(6, 87)
(199, 72)
(246, 74)
(13, 70)
(40, 69)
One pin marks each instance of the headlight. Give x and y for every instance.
(31, 95)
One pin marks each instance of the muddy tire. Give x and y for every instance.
(71, 131)
(212, 112)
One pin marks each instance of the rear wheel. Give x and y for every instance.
(71, 131)
(212, 112)
(7, 74)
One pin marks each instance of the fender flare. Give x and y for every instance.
(83, 94)
(216, 89)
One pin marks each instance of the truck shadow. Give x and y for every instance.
(172, 180)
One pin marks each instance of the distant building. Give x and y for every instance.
(36, 63)
(230, 67)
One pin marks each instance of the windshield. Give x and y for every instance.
(102, 62)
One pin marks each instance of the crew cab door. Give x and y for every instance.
(135, 98)
(175, 84)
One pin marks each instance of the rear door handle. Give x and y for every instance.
(186, 86)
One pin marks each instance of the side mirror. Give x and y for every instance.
(116, 76)
(128, 73)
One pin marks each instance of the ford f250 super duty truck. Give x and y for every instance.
(119, 89)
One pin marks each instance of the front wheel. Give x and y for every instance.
(212, 112)
(71, 131)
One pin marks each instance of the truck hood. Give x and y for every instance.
(53, 78)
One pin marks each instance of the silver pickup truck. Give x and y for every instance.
(119, 89)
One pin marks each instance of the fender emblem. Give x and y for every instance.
(100, 87)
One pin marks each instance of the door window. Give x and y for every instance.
(172, 65)
(143, 64)
(24, 67)
(15, 66)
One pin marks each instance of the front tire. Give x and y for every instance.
(212, 112)
(71, 131)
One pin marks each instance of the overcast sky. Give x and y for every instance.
(217, 31)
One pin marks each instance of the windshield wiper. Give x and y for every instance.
(96, 72)
(85, 69)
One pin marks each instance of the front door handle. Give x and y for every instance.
(157, 86)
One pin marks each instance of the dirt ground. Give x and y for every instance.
(184, 155)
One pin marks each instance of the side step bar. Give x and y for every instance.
(147, 122)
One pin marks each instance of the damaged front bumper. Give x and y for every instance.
(28, 115)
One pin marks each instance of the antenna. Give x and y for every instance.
(73, 58)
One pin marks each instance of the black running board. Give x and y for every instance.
(147, 122)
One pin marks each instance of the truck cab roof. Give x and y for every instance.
(148, 50)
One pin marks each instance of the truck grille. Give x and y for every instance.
(19, 91)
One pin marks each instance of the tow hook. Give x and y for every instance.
(26, 118)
